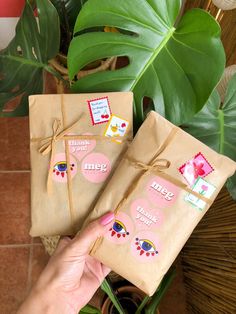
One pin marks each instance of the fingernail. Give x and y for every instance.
(107, 218)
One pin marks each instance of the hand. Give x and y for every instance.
(72, 276)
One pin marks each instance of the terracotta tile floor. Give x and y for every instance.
(22, 258)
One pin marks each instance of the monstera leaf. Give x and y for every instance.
(215, 125)
(177, 66)
(23, 61)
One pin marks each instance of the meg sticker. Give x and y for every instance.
(80, 148)
(162, 192)
(116, 127)
(202, 187)
(60, 168)
(99, 110)
(96, 167)
(144, 216)
(121, 230)
(145, 246)
(196, 167)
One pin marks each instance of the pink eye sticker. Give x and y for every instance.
(80, 148)
(60, 168)
(144, 216)
(162, 192)
(121, 230)
(96, 167)
(145, 246)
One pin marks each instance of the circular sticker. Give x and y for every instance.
(145, 246)
(80, 148)
(96, 167)
(59, 172)
(121, 230)
(144, 216)
(161, 192)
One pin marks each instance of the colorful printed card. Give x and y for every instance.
(99, 110)
(202, 187)
(116, 127)
(196, 167)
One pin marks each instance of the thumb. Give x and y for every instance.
(84, 240)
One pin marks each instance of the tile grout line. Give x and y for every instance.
(12, 246)
(29, 276)
(15, 171)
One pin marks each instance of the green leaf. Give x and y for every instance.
(215, 125)
(89, 309)
(23, 61)
(152, 306)
(177, 66)
(107, 288)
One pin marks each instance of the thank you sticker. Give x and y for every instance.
(99, 110)
(144, 216)
(81, 147)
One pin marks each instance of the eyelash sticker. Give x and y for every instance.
(60, 168)
(118, 229)
(121, 230)
(145, 245)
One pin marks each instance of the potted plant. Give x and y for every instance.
(129, 299)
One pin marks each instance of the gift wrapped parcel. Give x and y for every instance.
(76, 141)
(163, 186)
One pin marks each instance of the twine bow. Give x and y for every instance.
(50, 141)
(160, 164)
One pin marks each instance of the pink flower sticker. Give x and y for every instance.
(144, 216)
(80, 148)
(162, 192)
(96, 167)
(60, 168)
(194, 168)
(145, 246)
(121, 230)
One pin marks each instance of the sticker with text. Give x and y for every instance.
(145, 246)
(162, 192)
(80, 148)
(116, 127)
(144, 216)
(99, 110)
(96, 167)
(60, 168)
(196, 167)
(121, 230)
(202, 187)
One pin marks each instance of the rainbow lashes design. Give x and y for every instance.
(60, 168)
(144, 245)
(118, 229)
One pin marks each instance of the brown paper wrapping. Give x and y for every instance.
(130, 184)
(60, 208)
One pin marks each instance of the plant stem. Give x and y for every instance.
(142, 305)
(158, 295)
(106, 287)
(222, 130)
(56, 74)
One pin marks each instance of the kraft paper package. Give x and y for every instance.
(163, 186)
(76, 142)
